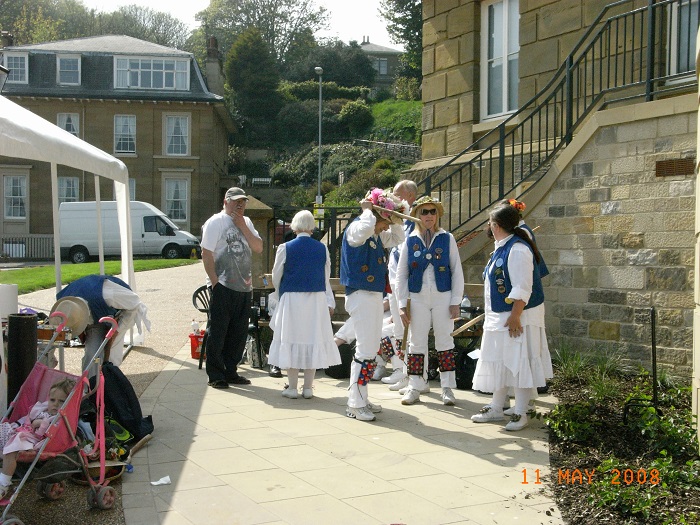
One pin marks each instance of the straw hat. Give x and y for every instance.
(387, 200)
(77, 313)
(424, 201)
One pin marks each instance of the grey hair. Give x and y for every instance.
(303, 221)
(408, 185)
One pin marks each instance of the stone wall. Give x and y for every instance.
(619, 239)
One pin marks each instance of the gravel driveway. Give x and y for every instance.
(168, 296)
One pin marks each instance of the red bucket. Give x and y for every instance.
(196, 345)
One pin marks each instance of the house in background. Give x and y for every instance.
(385, 61)
(144, 103)
(586, 110)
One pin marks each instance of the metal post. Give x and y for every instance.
(319, 72)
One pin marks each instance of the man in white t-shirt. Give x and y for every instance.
(228, 242)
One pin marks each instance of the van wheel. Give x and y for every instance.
(79, 254)
(171, 251)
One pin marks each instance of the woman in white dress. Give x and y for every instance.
(303, 334)
(514, 351)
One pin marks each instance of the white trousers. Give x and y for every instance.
(431, 308)
(366, 310)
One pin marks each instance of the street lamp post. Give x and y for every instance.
(319, 72)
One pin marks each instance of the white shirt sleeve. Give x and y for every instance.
(330, 298)
(520, 268)
(278, 268)
(362, 229)
(394, 236)
(457, 273)
(402, 277)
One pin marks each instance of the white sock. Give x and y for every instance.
(5, 479)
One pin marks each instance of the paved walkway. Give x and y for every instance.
(247, 455)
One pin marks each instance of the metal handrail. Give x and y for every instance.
(621, 57)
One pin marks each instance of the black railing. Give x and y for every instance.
(644, 52)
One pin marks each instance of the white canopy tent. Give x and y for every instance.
(25, 135)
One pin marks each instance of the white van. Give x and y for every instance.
(152, 232)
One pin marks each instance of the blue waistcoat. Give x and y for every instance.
(420, 258)
(363, 267)
(542, 266)
(90, 289)
(305, 267)
(499, 280)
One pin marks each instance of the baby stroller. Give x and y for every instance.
(59, 456)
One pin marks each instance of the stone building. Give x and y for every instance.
(144, 103)
(588, 114)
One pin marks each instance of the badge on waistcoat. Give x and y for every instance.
(498, 271)
(415, 248)
(437, 257)
(442, 268)
(438, 250)
(501, 289)
(372, 245)
(370, 279)
(499, 261)
(429, 256)
(414, 264)
(364, 268)
(416, 253)
(380, 260)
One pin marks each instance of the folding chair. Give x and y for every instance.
(201, 299)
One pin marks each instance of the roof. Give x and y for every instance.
(112, 44)
(376, 48)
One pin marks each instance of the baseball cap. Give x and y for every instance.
(233, 194)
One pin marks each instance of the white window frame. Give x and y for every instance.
(168, 119)
(119, 134)
(170, 176)
(674, 49)
(68, 189)
(63, 119)
(507, 36)
(142, 72)
(17, 198)
(132, 189)
(19, 74)
(60, 59)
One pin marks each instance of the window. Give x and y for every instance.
(132, 189)
(152, 73)
(15, 197)
(683, 20)
(69, 122)
(177, 135)
(68, 189)
(381, 65)
(176, 199)
(499, 61)
(17, 64)
(68, 70)
(124, 133)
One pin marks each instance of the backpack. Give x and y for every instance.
(121, 402)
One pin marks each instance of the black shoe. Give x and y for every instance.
(275, 371)
(238, 380)
(219, 383)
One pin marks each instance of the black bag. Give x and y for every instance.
(342, 371)
(466, 366)
(121, 402)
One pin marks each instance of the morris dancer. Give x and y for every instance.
(430, 273)
(363, 270)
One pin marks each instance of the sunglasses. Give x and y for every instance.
(426, 211)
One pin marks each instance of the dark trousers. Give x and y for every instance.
(229, 317)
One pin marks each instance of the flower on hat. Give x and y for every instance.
(387, 200)
(518, 205)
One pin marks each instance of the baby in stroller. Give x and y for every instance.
(29, 431)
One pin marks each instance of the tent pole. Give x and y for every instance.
(56, 226)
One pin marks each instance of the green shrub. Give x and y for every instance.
(397, 121)
(574, 422)
(570, 364)
(356, 116)
(407, 88)
(309, 91)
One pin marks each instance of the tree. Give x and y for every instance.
(251, 72)
(405, 25)
(147, 24)
(346, 65)
(280, 22)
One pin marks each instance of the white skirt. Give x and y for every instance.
(521, 362)
(303, 334)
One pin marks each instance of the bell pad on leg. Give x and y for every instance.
(386, 349)
(367, 371)
(415, 364)
(446, 361)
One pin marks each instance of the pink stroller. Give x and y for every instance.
(58, 455)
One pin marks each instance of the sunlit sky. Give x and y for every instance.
(349, 19)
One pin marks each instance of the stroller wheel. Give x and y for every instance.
(106, 498)
(12, 520)
(52, 491)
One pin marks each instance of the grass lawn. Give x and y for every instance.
(42, 277)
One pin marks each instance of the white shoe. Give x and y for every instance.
(509, 411)
(361, 414)
(290, 393)
(379, 372)
(375, 409)
(5, 491)
(403, 383)
(307, 393)
(411, 396)
(395, 377)
(488, 413)
(424, 390)
(517, 422)
(448, 398)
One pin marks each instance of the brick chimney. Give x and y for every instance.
(215, 76)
